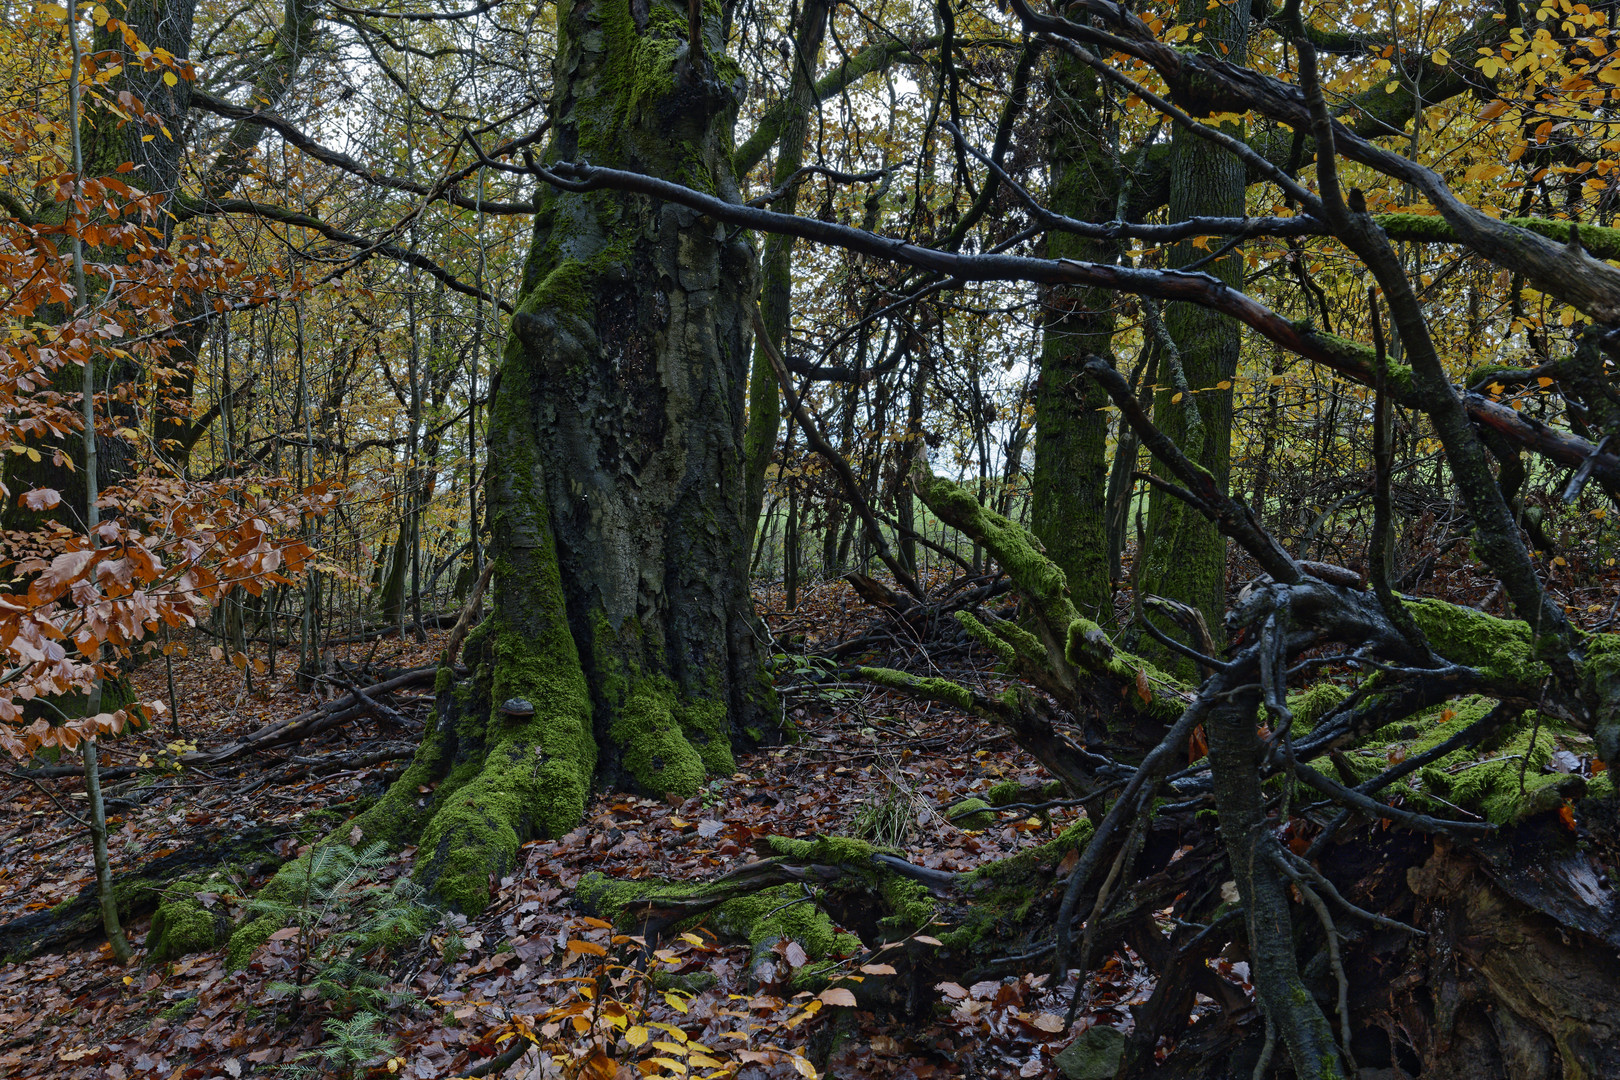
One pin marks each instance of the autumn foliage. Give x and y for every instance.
(77, 603)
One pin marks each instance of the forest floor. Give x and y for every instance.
(519, 966)
(76, 1013)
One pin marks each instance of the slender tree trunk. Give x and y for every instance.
(776, 263)
(92, 518)
(1187, 556)
(1070, 479)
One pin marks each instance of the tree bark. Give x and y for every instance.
(1187, 558)
(620, 648)
(776, 262)
(1069, 482)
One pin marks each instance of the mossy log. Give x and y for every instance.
(239, 856)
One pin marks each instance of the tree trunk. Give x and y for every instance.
(1069, 480)
(1187, 559)
(776, 263)
(620, 647)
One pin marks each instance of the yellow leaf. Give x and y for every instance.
(636, 1036)
(671, 1064)
(1175, 397)
(806, 1070)
(1224, 384)
(100, 15)
(674, 1001)
(170, 79)
(669, 1047)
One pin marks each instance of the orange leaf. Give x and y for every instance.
(590, 948)
(1143, 690)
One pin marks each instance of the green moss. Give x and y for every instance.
(692, 982)
(1096, 1054)
(1498, 648)
(1011, 791)
(934, 689)
(657, 753)
(995, 643)
(179, 1010)
(1505, 780)
(782, 913)
(1599, 240)
(761, 918)
(403, 927)
(1038, 578)
(182, 925)
(1601, 674)
(1008, 791)
(565, 290)
(1311, 704)
(973, 814)
(1004, 892)
(1088, 647)
(1482, 372)
(706, 728)
(247, 938)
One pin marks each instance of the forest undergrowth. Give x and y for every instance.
(440, 995)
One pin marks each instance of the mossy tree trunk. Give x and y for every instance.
(620, 647)
(776, 262)
(1186, 559)
(1070, 478)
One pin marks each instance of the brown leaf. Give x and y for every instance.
(1197, 745)
(1049, 1022)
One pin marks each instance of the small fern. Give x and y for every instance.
(345, 919)
(349, 1045)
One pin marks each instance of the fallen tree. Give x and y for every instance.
(1350, 907)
